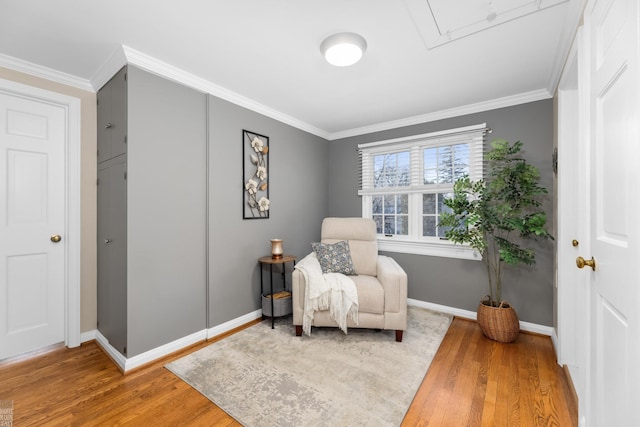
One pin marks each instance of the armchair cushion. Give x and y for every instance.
(362, 237)
(334, 258)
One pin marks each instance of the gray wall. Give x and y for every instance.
(166, 203)
(298, 181)
(462, 283)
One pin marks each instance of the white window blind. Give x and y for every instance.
(405, 180)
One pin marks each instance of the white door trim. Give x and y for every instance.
(72, 203)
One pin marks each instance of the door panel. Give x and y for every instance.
(112, 252)
(614, 91)
(32, 209)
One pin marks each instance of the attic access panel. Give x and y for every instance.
(443, 21)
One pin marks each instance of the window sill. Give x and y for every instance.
(441, 249)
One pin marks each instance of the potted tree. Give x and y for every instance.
(496, 217)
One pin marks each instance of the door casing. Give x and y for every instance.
(72, 207)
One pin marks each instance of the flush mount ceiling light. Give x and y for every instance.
(343, 49)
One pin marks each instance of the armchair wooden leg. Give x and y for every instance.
(398, 335)
(298, 330)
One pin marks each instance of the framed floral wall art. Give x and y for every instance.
(255, 172)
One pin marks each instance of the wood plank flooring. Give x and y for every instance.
(472, 382)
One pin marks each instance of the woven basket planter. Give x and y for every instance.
(498, 323)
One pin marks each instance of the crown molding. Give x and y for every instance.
(170, 72)
(506, 101)
(127, 55)
(116, 61)
(35, 70)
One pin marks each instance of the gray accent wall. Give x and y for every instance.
(166, 202)
(462, 283)
(299, 194)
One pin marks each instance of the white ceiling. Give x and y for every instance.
(425, 59)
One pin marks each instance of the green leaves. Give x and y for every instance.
(498, 215)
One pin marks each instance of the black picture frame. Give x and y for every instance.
(255, 176)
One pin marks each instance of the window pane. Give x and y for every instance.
(376, 205)
(430, 158)
(389, 225)
(430, 176)
(428, 225)
(378, 220)
(404, 168)
(428, 203)
(461, 160)
(445, 165)
(392, 169)
(441, 206)
(389, 204)
(442, 230)
(402, 225)
(380, 170)
(403, 204)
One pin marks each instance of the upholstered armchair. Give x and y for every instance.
(380, 282)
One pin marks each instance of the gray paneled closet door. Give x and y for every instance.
(112, 117)
(112, 252)
(112, 211)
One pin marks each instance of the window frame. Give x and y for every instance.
(414, 242)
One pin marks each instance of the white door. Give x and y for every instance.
(614, 77)
(572, 239)
(32, 212)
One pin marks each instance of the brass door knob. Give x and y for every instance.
(56, 238)
(581, 262)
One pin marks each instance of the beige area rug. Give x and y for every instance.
(264, 377)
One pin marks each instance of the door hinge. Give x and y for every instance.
(98, 325)
(125, 77)
(125, 175)
(124, 350)
(125, 139)
(97, 182)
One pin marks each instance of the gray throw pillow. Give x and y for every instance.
(334, 258)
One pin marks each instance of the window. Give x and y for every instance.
(404, 184)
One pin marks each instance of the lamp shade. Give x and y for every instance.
(343, 49)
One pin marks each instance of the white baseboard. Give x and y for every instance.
(115, 355)
(234, 323)
(467, 314)
(88, 336)
(126, 364)
(129, 363)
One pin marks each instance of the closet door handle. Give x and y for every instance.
(107, 241)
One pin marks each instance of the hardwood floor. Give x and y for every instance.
(472, 381)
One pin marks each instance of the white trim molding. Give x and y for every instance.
(125, 54)
(168, 71)
(472, 315)
(36, 70)
(507, 101)
(126, 364)
(234, 323)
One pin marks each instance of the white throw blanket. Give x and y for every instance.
(331, 291)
